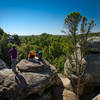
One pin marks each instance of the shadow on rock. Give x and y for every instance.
(57, 90)
(33, 60)
(20, 80)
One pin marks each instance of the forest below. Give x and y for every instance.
(55, 48)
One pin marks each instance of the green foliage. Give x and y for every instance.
(71, 24)
(4, 48)
(16, 39)
(71, 21)
(84, 24)
(55, 48)
(59, 63)
(6, 42)
(1, 31)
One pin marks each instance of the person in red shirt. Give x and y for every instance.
(31, 55)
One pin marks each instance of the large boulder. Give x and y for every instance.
(69, 95)
(63, 94)
(65, 83)
(91, 76)
(63, 90)
(90, 79)
(26, 83)
(32, 66)
(46, 95)
(90, 64)
(97, 97)
(94, 44)
(92, 71)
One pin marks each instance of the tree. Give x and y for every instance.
(91, 24)
(83, 24)
(83, 42)
(1, 32)
(16, 39)
(4, 48)
(71, 22)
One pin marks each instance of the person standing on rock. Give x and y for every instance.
(13, 55)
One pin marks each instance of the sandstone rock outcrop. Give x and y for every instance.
(32, 66)
(92, 71)
(91, 76)
(65, 83)
(35, 81)
(63, 90)
(90, 79)
(91, 62)
(60, 93)
(20, 86)
(69, 95)
(94, 45)
(97, 97)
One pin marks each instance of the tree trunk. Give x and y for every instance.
(74, 35)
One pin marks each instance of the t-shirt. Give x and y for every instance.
(12, 53)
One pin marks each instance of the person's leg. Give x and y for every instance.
(13, 66)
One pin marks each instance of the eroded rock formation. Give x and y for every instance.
(92, 70)
(36, 80)
(32, 80)
(91, 76)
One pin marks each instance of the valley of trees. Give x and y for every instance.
(55, 48)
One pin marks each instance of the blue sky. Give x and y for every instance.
(33, 17)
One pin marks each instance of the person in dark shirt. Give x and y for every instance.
(13, 55)
(40, 55)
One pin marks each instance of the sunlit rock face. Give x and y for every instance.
(94, 44)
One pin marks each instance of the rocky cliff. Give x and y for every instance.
(32, 78)
(90, 80)
(92, 71)
(36, 80)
